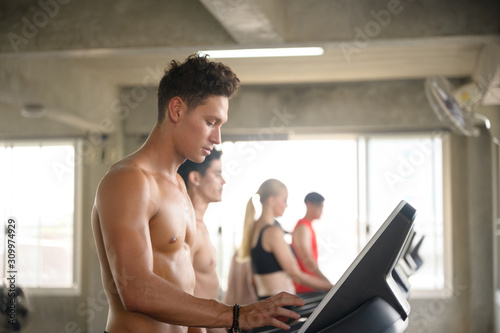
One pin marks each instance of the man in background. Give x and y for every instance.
(304, 241)
(204, 184)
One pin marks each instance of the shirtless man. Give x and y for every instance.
(204, 183)
(143, 220)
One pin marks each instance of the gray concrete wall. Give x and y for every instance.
(262, 112)
(479, 228)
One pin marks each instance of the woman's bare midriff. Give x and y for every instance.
(273, 283)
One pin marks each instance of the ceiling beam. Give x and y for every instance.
(394, 59)
(250, 22)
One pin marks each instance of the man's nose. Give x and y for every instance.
(215, 137)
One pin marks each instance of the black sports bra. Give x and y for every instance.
(263, 262)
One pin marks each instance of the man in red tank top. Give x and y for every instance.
(304, 240)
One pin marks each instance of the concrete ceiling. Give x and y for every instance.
(129, 43)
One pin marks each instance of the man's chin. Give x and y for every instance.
(197, 159)
(218, 199)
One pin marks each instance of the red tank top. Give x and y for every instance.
(308, 224)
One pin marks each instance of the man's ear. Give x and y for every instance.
(174, 109)
(194, 178)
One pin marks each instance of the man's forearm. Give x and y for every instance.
(164, 302)
(196, 312)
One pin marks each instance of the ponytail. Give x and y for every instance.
(244, 250)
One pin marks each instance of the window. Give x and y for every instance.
(362, 179)
(410, 168)
(37, 191)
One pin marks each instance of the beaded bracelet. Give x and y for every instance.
(236, 320)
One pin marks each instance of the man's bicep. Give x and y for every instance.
(124, 220)
(127, 244)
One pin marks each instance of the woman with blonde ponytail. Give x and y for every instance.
(244, 250)
(273, 263)
(241, 286)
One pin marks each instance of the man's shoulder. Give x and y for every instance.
(125, 178)
(200, 225)
(121, 172)
(303, 223)
(302, 226)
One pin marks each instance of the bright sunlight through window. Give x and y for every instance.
(37, 189)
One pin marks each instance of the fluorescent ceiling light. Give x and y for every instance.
(261, 53)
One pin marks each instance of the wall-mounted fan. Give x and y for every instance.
(455, 108)
(38, 110)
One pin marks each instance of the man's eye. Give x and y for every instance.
(210, 123)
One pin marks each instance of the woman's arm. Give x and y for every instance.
(274, 241)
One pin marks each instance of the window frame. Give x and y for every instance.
(76, 288)
(447, 291)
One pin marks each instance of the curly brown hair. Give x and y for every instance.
(195, 80)
(188, 166)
